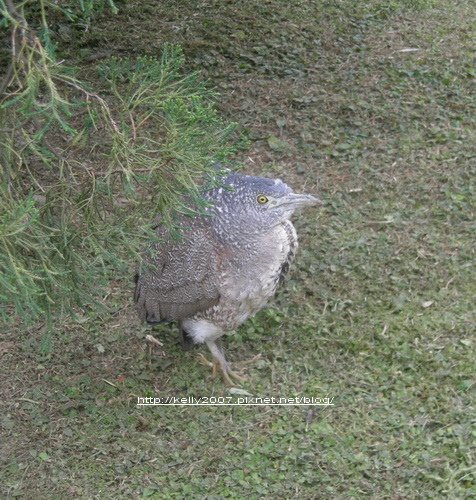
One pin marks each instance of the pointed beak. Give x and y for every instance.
(300, 200)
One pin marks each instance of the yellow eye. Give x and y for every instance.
(262, 199)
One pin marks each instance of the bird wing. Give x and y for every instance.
(178, 279)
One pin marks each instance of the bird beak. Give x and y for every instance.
(300, 200)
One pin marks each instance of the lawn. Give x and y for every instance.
(370, 105)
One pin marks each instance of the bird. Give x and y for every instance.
(225, 266)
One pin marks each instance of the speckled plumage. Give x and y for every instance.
(228, 264)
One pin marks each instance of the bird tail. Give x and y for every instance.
(141, 304)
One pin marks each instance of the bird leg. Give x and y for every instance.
(214, 365)
(185, 338)
(219, 364)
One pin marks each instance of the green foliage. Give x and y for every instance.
(82, 175)
(167, 120)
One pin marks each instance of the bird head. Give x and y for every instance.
(257, 202)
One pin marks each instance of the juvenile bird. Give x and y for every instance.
(226, 266)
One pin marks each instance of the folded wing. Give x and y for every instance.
(179, 278)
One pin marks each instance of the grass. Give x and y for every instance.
(378, 312)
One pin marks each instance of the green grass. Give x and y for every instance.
(378, 312)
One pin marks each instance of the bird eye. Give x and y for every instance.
(262, 199)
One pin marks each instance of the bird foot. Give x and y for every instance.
(249, 361)
(203, 360)
(230, 377)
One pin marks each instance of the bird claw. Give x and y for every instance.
(230, 377)
(214, 365)
(249, 361)
(203, 360)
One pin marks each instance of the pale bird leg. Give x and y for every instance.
(230, 374)
(230, 377)
(219, 363)
(203, 360)
(214, 365)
